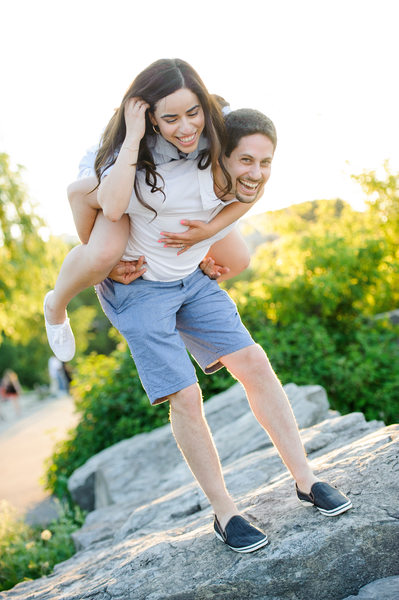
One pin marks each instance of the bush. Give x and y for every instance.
(360, 371)
(31, 552)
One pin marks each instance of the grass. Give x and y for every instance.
(28, 552)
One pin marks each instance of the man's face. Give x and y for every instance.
(249, 166)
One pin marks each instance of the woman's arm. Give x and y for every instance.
(199, 230)
(116, 188)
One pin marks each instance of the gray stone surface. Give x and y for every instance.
(382, 589)
(150, 536)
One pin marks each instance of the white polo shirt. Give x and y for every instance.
(188, 195)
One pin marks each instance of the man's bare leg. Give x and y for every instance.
(272, 409)
(194, 439)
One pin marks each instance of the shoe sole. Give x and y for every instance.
(329, 513)
(244, 549)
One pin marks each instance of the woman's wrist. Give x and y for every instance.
(131, 142)
(211, 228)
(132, 147)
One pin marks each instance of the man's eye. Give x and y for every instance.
(246, 160)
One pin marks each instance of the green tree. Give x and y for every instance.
(29, 264)
(383, 213)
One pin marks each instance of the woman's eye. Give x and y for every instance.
(171, 120)
(194, 114)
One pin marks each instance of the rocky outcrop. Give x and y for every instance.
(149, 535)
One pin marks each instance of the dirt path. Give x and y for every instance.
(25, 443)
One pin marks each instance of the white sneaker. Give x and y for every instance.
(60, 337)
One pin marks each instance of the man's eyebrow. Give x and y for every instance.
(247, 155)
(168, 116)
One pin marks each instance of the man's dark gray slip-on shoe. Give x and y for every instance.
(239, 535)
(327, 499)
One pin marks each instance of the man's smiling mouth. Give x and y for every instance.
(249, 185)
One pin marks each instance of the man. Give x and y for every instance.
(160, 319)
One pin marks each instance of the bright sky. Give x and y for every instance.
(324, 71)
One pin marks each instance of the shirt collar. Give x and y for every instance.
(163, 151)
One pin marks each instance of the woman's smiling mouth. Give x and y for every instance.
(187, 140)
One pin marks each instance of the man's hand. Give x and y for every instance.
(196, 232)
(211, 269)
(127, 271)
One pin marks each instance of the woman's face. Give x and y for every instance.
(180, 119)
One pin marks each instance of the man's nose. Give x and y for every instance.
(255, 172)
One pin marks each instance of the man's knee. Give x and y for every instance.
(248, 363)
(187, 401)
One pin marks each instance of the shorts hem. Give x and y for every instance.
(216, 365)
(153, 397)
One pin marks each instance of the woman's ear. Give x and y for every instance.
(152, 118)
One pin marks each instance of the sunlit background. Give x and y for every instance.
(325, 72)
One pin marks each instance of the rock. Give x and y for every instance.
(150, 537)
(382, 589)
(120, 473)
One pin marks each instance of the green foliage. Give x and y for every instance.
(360, 372)
(29, 265)
(31, 552)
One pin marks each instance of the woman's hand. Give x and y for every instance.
(197, 232)
(127, 271)
(211, 269)
(135, 109)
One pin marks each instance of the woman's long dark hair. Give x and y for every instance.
(161, 78)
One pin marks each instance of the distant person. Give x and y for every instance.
(10, 389)
(67, 375)
(58, 384)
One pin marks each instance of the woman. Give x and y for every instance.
(10, 389)
(193, 130)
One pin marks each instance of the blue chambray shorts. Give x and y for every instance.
(161, 319)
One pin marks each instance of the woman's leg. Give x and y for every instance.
(82, 196)
(232, 253)
(87, 264)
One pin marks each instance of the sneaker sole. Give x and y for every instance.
(329, 513)
(244, 549)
